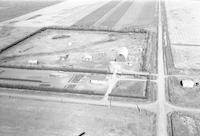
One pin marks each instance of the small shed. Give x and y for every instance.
(87, 57)
(98, 80)
(64, 57)
(33, 62)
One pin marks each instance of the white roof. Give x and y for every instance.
(188, 83)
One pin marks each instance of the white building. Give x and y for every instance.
(87, 57)
(35, 62)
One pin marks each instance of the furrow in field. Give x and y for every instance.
(117, 14)
(96, 15)
(140, 14)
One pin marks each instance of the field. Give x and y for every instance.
(134, 90)
(182, 42)
(186, 58)
(178, 95)
(11, 9)
(130, 89)
(52, 118)
(184, 124)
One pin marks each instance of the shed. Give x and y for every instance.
(87, 57)
(64, 57)
(33, 62)
(98, 79)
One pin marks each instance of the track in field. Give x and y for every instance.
(97, 14)
(121, 14)
(117, 14)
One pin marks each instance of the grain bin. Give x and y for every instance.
(187, 83)
(122, 54)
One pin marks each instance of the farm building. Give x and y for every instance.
(122, 55)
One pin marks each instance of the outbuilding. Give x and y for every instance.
(98, 79)
(64, 57)
(87, 57)
(33, 62)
